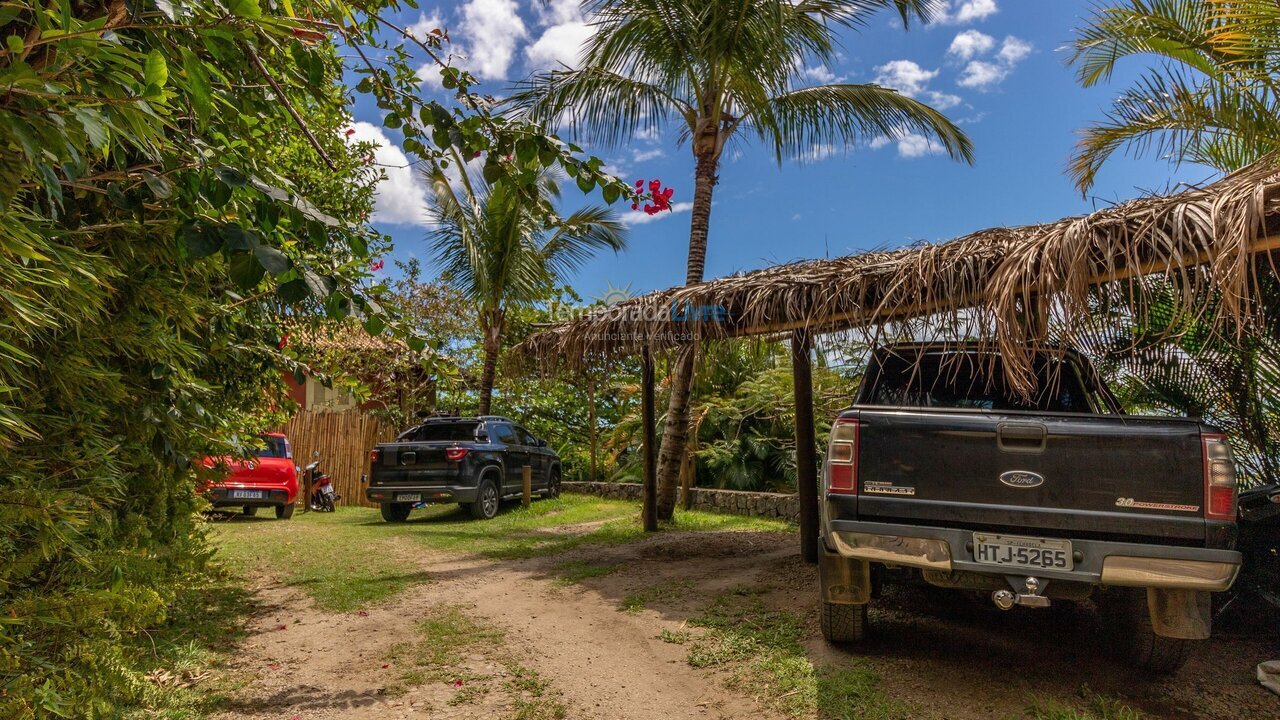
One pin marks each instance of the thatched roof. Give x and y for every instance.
(1204, 238)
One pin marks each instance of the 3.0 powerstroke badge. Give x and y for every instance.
(883, 488)
(1131, 503)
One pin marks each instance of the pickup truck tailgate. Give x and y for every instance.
(1054, 474)
(419, 463)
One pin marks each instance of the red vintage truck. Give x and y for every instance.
(268, 480)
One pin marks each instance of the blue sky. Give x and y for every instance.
(996, 66)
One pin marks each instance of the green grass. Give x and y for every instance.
(439, 653)
(203, 625)
(667, 590)
(762, 649)
(351, 558)
(575, 571)
(336, 558)
(1096, 707)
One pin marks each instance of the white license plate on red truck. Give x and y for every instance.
(1025, 553)
(248, 494)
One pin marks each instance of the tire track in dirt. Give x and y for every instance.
(606, 664)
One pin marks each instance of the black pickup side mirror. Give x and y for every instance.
(540, 443)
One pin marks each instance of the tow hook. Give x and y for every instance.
(1006, 599)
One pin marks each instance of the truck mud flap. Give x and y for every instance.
(844, 581)
(1182, 614)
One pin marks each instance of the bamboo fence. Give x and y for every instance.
(344, 440)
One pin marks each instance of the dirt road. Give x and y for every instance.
(602, 645)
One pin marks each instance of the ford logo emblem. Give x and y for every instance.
(1022, 479)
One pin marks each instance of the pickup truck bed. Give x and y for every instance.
(941, 470)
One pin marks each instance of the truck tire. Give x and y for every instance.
(553, 485)
(1129, 622)
(396, 512)
(250, 510)
(844, 623)
(487, 500)
(284, 512)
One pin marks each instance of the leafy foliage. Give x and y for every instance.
(176, 188)
(500, 249)
(1213, 99)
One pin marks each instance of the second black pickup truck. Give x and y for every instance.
(941, 473)
(476, 462)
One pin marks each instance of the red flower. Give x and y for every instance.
(284, 342)
(658, 198)
(351, 131)
(376, 266)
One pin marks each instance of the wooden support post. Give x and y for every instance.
(650, 446)
(806, 448)
(526, 476)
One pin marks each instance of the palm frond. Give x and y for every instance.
(797, 120)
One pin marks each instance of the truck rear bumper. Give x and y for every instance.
(1096, 562)
(425, 493)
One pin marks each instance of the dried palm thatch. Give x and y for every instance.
(1011, 280)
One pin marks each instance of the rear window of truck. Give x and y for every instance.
(974, 382)
(441, 432)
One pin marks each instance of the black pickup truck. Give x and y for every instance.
(476, 462)
(940, 473)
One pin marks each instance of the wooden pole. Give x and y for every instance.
(650, 446)
(526, 477)
(806, 449)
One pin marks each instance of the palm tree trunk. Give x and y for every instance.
(676, 429)
(492, 347)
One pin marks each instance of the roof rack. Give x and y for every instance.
(497, 418)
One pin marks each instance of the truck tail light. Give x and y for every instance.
(374, 455)
(455, 454)
(842, 458)
(1219, 478)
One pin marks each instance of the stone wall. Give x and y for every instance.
(758, 504)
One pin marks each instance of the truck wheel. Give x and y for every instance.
(396, 512)
(1129, 622)
(284, 512)
(250, 510)
(486, 505)
(844, 623)
(553, 485)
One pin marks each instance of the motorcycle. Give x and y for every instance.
(323, 496)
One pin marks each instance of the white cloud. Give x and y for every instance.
(819, 75)
(983, 74)
(970, 44)
(980, 74)
(425, 24)
(492, 29)
(559, 45)
(401, 197)
(818, 153)
(649, 154)
(967, 11)
(912, 145)
(905, 76)
(558, 12)
(1013, 50)
(638, 217)
(941, 100)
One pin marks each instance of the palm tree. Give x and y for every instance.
(726, 69)
(500, 253)
(1214, 99)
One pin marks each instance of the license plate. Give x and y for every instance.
(1022, 552)
(409, 497)
(248, 494)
